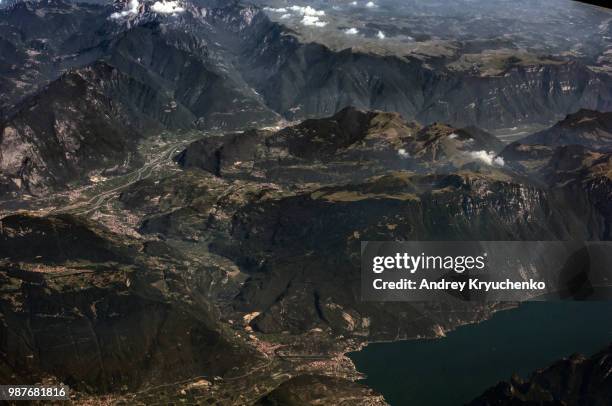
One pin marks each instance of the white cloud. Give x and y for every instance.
(313, 21)
(488, 158)
(276, 10)
(403, 153)
(353, 3)
(310, 15)
(351, 31)
(307, 11)
(131, 8)
(370, 4)
(381, 35)
(167, 7)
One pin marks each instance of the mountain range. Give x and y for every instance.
(140, 68)
(184, 187)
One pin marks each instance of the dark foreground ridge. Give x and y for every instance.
(101, 312)
(577, 380)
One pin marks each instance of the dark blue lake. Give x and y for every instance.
(453, 370)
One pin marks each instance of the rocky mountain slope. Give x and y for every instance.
(310, 389)
(347, 147)
(462, 99)
(240, 51)
(121, 307)
(577, 380)
(228, 66)
(571, 158)
(591, 129)
(168, 54)
(82, 123)
(347, 172)
(253, 262)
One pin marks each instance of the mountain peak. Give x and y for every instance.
(585, 127)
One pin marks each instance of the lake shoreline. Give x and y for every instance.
(367, 360)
